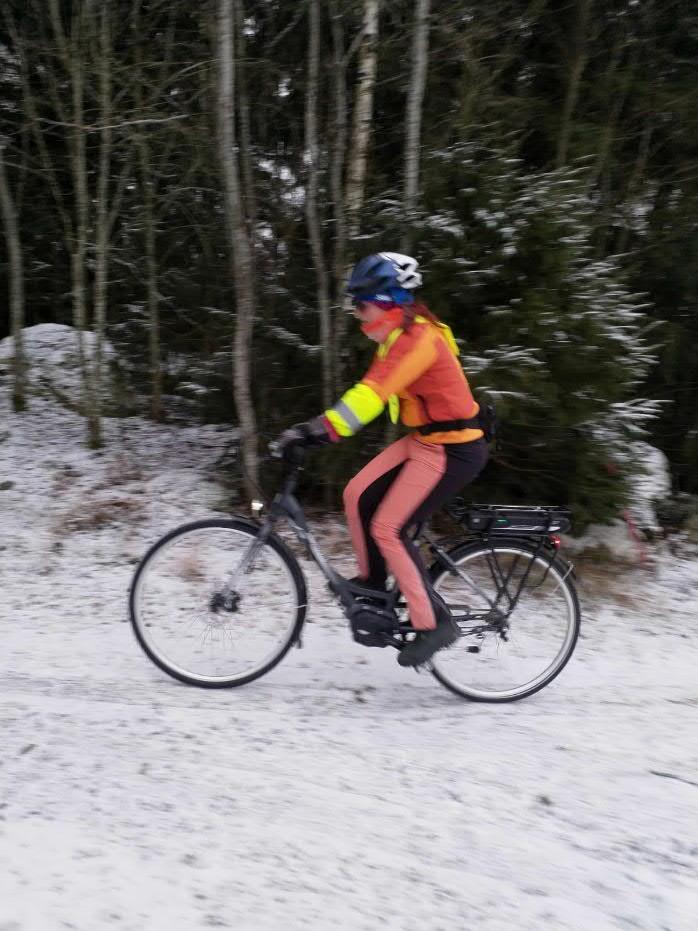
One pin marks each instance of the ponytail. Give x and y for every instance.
(410, 311)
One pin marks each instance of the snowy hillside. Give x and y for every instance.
(339, 791)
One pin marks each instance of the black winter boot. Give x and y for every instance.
(427, 642)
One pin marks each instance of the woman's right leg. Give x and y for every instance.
(362, 496)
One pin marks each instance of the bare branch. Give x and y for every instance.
(294, 22)
(98, 128)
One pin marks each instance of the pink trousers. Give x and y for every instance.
(402, 486)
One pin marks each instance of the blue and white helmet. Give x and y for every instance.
(385, 276)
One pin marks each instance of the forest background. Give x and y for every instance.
(187, 186)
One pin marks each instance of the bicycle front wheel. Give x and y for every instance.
(504, 655)
(212, 606)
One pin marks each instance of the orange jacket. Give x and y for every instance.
(418, 373)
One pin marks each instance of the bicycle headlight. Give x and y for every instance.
(256, 506)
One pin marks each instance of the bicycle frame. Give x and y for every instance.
(286, 505)
(354, 596)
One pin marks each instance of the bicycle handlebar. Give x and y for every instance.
(292, 458)
(291, 455)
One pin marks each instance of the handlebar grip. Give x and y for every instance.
(292, 453)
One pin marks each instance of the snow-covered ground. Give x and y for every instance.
(338, 791)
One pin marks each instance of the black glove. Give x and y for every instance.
(311, 433)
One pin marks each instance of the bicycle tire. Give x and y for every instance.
(559, 570)
(239, 525)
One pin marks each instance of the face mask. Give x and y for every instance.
(380, 329)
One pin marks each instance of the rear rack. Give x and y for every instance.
(510, 518)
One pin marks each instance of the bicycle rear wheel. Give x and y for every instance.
(505, 656)
(213, 607)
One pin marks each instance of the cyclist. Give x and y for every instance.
(416, 374)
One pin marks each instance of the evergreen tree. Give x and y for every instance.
(549, 330)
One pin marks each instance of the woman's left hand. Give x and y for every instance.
(309, 433)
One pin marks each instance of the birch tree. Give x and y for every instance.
(362, 122)
(362, 119)
(415, 100)
(238, 242)
(243, 107)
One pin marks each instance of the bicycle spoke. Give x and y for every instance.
(205, 622)
(531, 598)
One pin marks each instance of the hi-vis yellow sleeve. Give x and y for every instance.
(357, 407)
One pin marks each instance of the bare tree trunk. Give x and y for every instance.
(339, 145)
(415, 99)
(360, 136)
(362, 117)
(312, 212)
(243, 98)
(413, 118)
(102, 206)
(241, 259)
(16, 274)
(153, 295)
(79, 252)
(574, 79)
(72, 52)
(142, 145)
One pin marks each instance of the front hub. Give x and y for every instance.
(228, 602)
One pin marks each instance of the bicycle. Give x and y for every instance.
(218, 603)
